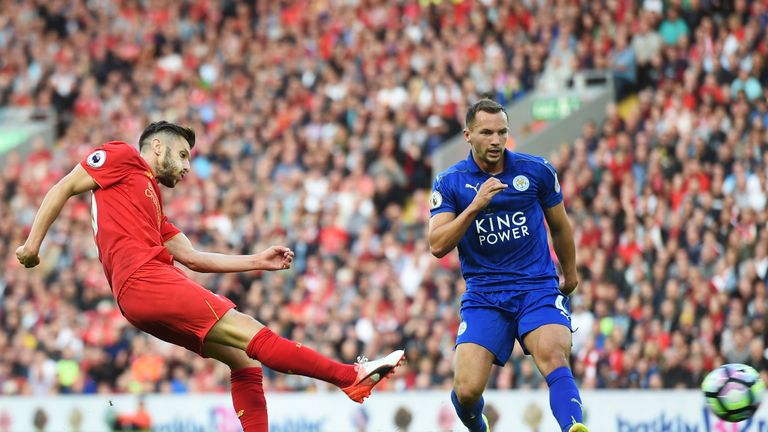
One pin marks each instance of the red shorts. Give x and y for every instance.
(161, 300)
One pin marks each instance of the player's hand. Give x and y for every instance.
(569, 285)
(27, 257)
(276, 258)
(487, 191)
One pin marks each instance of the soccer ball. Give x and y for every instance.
(733, 391)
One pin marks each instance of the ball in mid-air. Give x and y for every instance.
(733, 391)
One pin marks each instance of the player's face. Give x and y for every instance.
(487, 135)
(173, 165)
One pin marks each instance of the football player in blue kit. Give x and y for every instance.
(493, 206)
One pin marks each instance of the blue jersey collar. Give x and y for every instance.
(473, 167)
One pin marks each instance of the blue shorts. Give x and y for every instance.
(495, 319)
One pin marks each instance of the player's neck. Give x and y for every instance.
(490, 169)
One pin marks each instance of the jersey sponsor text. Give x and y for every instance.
(495, 229)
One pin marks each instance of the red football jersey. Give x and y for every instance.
(126, 212)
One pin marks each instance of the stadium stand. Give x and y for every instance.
(316, 121)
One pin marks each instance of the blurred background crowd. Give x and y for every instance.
(316, 123)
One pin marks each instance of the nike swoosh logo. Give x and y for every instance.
(577, 402)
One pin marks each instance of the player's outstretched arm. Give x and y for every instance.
(273, 258)
(447, 229)
(565, 248)
(76, 182)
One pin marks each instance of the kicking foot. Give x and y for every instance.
(370, 373)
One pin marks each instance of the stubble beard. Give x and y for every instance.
(166, 171)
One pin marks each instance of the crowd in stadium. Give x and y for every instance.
(316, 123)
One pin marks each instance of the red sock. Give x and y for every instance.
(291, 357)
(248, 399)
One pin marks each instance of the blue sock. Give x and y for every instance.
(472, 417)
(564, 397)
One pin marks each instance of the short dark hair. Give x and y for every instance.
(485, 105)
(166, 128)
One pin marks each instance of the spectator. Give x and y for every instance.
(646, 44)
(559, 68)
(623, 63)
(748, 84)
(673, 27)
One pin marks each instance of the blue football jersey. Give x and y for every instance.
(506, 246)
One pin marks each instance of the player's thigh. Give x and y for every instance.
(159, 299)
(487, 319)
(234, 329)
(545, 326)
(549, 338)
(472, 368)
(233, 357)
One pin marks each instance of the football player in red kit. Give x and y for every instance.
(137, 246)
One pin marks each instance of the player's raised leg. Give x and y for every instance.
(472, 367)
(241, 331)
(550, 346)
(247, 390)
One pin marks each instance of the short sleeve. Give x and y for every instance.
(109, 163)
(549, 193)
(168, 230)
(442, 199)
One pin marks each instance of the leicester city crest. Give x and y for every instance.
(462, 328)
(521, 183)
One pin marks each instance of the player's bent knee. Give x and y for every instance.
(468, 394)
(240, 361)
(551, 347)
(234, 329)
(550, 359)
(232, 357)
(243, 363)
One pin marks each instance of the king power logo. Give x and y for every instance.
(501, 228)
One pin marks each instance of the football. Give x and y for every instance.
(733, 391)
